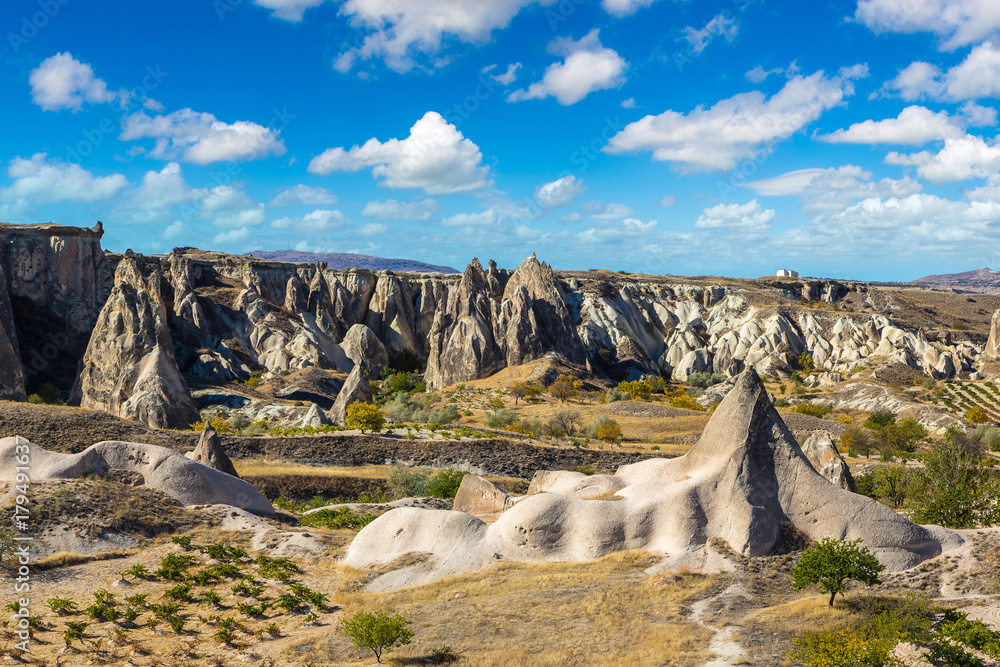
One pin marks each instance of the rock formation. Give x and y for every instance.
(209, 452)
(992, 349)
(364, 349)
(481, 498)
(744, 478)
(186, 481)
(356, 389)
(129, 368)
(314, 418)
(11, 374)
(826, 460)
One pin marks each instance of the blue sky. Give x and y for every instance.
(852, 139)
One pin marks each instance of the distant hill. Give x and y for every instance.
(986, 281)
(343, 260)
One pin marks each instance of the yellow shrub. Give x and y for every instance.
(686, 402)
(365, 416)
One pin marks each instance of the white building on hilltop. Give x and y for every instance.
(787, 273)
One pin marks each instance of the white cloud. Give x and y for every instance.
(914, 125)
(956, 22)
(976, 77)
(612, 232)
(435, 157)
(487, 218)
(622, 8)
(587, 67)
(201, 138)
(734, 128)
(390, 209)
(156, 196)
(288, 10)
(561, 192)
(758, 74)
(399, 32)
(572, 217)
(229, 207)
(749, 217)
(39, 180)
(719, 26)
(321, 220)
(629, 103)
(63, 82)
(176, 230)
(960, 159)
(303, 195)
(601, 211)
(668, 201)
(978, 116)
(233, 236)
(507, 77)
(825, 190)
(372, 229)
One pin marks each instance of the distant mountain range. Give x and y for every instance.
(343, 260)
(986, 281)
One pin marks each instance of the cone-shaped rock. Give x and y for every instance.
(355, 390)
(209, 452)
(992, 349)
(827, 461)
(742, 480)
(314, 418)
(364, 349)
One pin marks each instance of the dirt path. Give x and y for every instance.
(723, 643)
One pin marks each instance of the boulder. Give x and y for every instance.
(481, 498)
(209, 452)
(129, 369)
(826, 460)
(364, 349)
(186, 481)
(314, 418)
(355, 390)
(739, 484)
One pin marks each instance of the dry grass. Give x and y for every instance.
(606, 612)
(812, 612)
(272, 468)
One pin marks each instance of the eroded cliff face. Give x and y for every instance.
(191, 315)
(11, 375)
(55, 282)
(129, 368)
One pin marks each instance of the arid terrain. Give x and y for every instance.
(640, 462)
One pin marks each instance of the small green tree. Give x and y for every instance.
(377, 631)
(957, 488)
(365, 416)
(832, 563)
(564, 388)
(523, 390)
(807, 363)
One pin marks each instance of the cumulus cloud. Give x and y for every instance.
(233, 236)
(158, 193)
(668, 201)
(63, 82)
(508, 77)
(372, 229)
(390, 209)
(320, 220)
(960, 159)
(601, 211)
(976, 77)
(612, 232)
(735, 128)
(40, 180)
(288, 10)
(201, 138)
(914, 125)
(826, 190)
(488, 218)
(587, 67)
(303, 195)
(434, 157)
(956, 22)
(561, 192)
(400, 33)
(622, 8)
(749, 217)
(228, 206)
(720, 25)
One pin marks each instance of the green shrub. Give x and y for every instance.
(616, 394)
(704, 380)
(338, 519)
(445, 484)
(957, 488)
(376, 631)
(501, 418)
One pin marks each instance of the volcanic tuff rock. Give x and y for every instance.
(742, 480)
(129, 369)
(826, 460)
(11, 374)
(355, 390)
(992, 349)
(364, 349)
(186, 481)
(314, 418)
(481, 498)
(209, 452)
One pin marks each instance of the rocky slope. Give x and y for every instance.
(224, 317)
